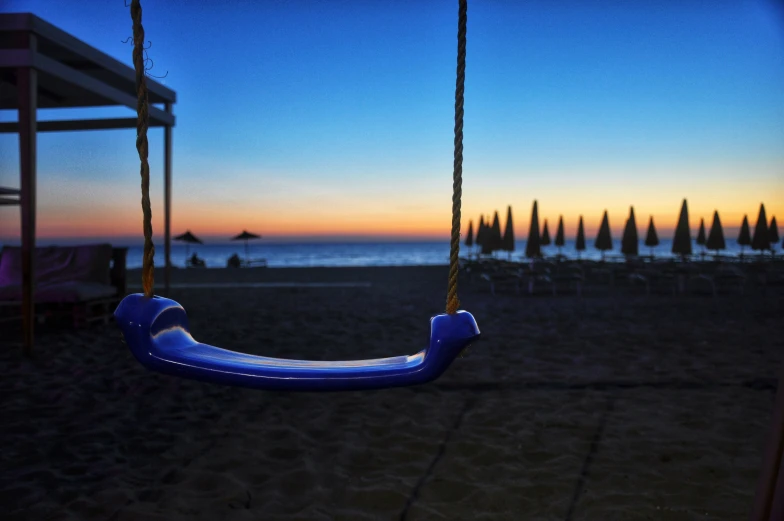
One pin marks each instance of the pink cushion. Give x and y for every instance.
(54, 265)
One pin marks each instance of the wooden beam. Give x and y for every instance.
(167, 174)
(28, 58)
(9, 191)
(80, 124)
(27, 90)
(7, 201)
(30, 22)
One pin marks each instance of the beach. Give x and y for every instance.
(614, 406)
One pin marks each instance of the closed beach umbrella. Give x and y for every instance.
(480, 231)
(188, 238)
(487, 238)
(497, 239)
(532, 246)
(773, 233)
(545, 240)
(651, 239)
(701, 233)
(715, 239)
(469, 242)
(630, 242)
(744, 237)
(559, 235)
(246, 236)
(603, 241)
(509, 240)
(681, 242)
(761, 242)
(579, 243)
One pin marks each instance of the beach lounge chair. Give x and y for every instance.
(254, 263)
(83, 284)
(728, 278)
(569, 277)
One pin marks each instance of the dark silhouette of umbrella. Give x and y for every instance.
(715, 239)
(480, 232)
(603, 241)
(470, 235)
(487, 238)
(630, 242)
(509, 240)
(532, 246)
(744, 237)
(651, 239)
(761, 241)
(579, 243)
(701, 237)
(188, 238)
(773, 233)
(545, 239)
(245, 236)
(559, 235)
(681, 242)
(497, 243)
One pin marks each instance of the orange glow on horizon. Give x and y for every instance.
(420, 225)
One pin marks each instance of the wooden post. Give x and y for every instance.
(167, 166)
(769, 500)
(27, 87)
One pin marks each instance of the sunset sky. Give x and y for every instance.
(335, 118)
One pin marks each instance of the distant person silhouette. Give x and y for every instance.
(233, 262)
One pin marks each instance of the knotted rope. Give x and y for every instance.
(142, 122)
(452, 302)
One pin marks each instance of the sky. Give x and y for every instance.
(334, 119)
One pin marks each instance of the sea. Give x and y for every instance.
(352, 254)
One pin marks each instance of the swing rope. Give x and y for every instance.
(142, 123)
(452, 302)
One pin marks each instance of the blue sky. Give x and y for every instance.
(329, 117)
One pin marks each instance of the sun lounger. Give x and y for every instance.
(251, 263)
(82, 283)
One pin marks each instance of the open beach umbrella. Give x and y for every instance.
(245, 236)
(744, 237)
(681, 242)
(603, 240)
(630, 242)
(188, 238)
(532, 246)
(545, 239)
(579, 243)
(773, 233)
(651, 239)
(761, 242)
(509, 240)
(559, 235)
(715, 239)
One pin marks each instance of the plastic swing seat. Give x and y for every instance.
(156, 330)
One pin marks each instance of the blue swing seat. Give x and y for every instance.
(156, 330)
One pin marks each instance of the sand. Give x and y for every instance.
(615, 407)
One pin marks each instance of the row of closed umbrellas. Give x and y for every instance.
(188, 238)
(489, 237)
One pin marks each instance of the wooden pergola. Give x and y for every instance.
(42, 66)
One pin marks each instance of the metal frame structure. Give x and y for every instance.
(42, 66)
